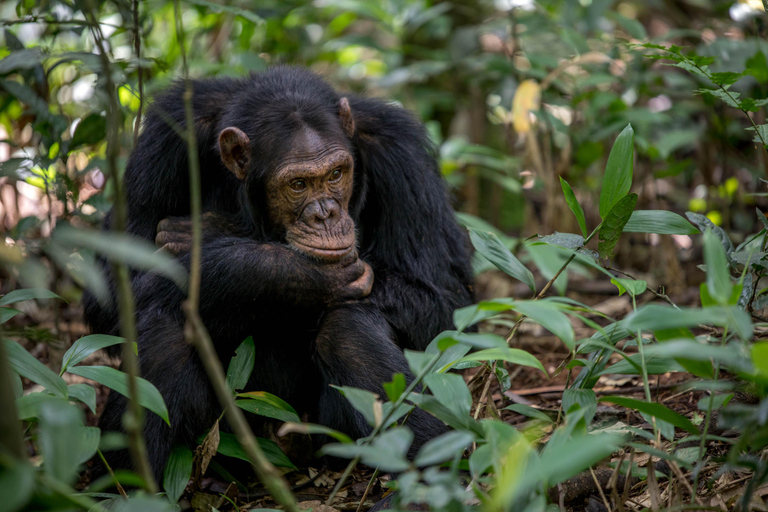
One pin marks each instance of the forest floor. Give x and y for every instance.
(313, 483)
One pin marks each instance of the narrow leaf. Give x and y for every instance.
(494, 251)
(86, 346)
(660, 222)
(25, 364)
(719, 283)
(241, 365)
(27, 294)
(618, 172)
(574, 205)
(149, 396)
(658, 410)
(178, 471)
(442, 448)
(614, 223)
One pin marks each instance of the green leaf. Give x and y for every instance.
(60, 437)
(510, 355)
(570, 458)
(634, 287)
(583, 398)
(451, 391)
(90, 130)
(149, 396)
(574, 205)
(25, 364)
(494, 251)
(566, 240)
(83, 393)
(653, 365)
(726, 78)
(660, 222)
(230, 447)
(17, 481)
(527, 410)
(28, 406)
(217, 8)
(719, 283)
(178, 471)
(27, 58)
(267, 405)
(614, 223)
(655, 317)
(27, 294)
(363, 402)
(86, 346)
(760, 358)
(757, 66)
(89, 443)
(618, 172)
(761, 136)
(312, 428)
(703, 223)
(395, 388)
(548, 315)
(8, 313)
(241, 365)
(730, 98)
(386, 451)
(654, 409)
(444, 447)
(135, 252)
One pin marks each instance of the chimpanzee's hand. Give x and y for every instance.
(352, 279)
(174, 234)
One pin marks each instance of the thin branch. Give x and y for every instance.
(195, 331)
(140, 71)
(133, 420)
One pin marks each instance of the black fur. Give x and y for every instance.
(252, 285)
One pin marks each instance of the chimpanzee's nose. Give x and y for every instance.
(322, 214)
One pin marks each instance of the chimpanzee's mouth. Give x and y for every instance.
(325, 253)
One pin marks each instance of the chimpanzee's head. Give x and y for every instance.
(295, 158)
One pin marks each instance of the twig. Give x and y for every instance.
(133, 420)
(137, 49)
(111, 472)
(196, 333)
(368, 489)
(600, 489)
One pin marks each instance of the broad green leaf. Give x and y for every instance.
(572, 457)
(451, 391)
(618, 172)
(84, 393)
(386, 451)
(719, 282)
(654, 409)
(655, 317)
(634, 287)
(584, 398)
(60, 437)
(653, 365)
(726, 78)
(363, 401)
(89, 443)
(565, 240)
(614, 223)
(268, 405)
(149, 396)
(17, 481)
(660, 222)
(760, 358)
(8, 313)
(510, 355)
(27, 294)
(574, 205)
(492, 249)
(86, 346)
(444, 447)
(230, 447)
(548, 315)
(395, 388)
(178, 471)
(25, 364)
(134, 252)
(28, 406)
(90, 130)
(241, 365)
(27, 58)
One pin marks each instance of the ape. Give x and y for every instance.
(329, 239)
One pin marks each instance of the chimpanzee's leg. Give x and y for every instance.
(355, 347)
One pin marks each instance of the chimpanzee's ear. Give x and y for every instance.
(234, 146)
(345, 114)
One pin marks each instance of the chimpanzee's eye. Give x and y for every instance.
(298, 185)
(335, 175)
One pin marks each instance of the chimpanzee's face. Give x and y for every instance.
(308, 195)
(308, 188)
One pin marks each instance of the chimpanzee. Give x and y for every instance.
(329, 238)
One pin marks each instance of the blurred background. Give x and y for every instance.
(515, 93)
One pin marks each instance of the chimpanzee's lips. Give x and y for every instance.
(326, 253)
